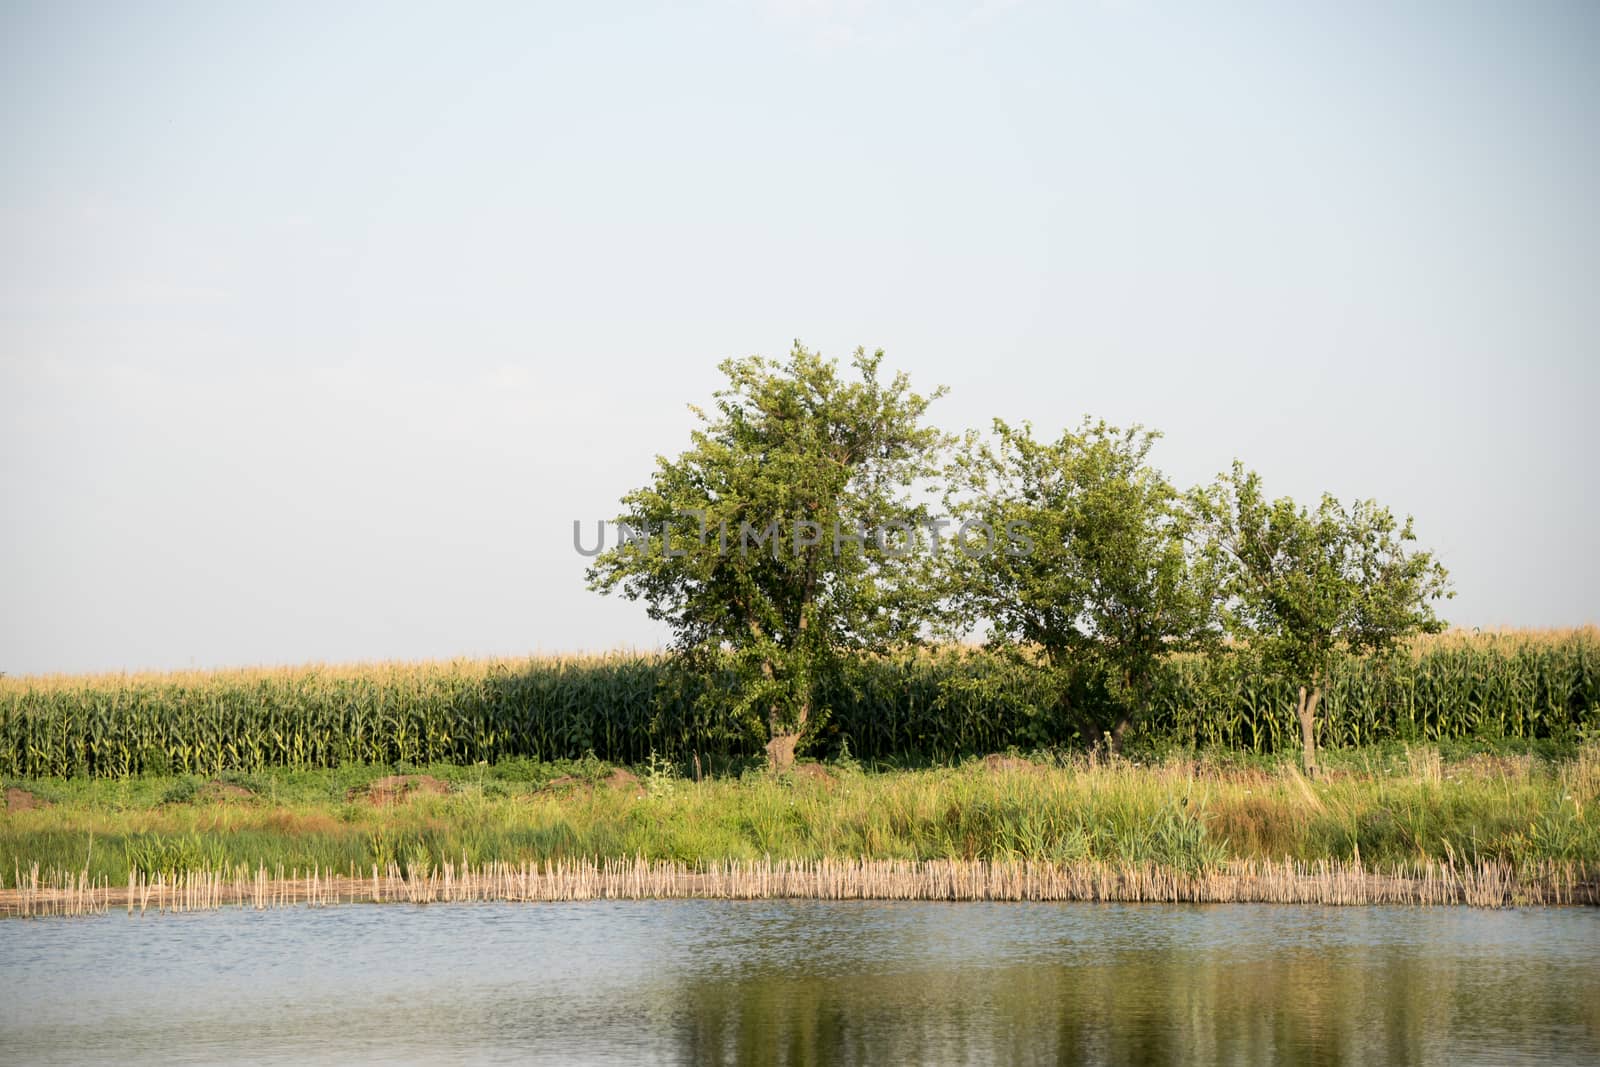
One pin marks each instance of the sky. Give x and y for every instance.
(321, 324)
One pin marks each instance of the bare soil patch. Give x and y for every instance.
(624, 782)
(22, 800)
(621, 780)
(995, 763)
(1485, 765)
(815, 772)
(216, 789)
(399, 788)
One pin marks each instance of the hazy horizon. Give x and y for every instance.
(319, 328)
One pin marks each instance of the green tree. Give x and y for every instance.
(1099, 574)
(786, 534)
(1301, 586)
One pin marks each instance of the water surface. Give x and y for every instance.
(806, 981)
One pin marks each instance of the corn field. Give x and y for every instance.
(938, 704)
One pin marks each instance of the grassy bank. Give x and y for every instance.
(1390, 808)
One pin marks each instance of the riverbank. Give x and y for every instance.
(1400, 824)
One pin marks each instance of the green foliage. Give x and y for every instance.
(183, 791)
(1101, 577)
(392, 847)
(1303, 586)
(167, 856)
(742, 553)
(523, 718)
(660, 776)
(844, 760)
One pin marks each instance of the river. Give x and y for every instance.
(802, 982)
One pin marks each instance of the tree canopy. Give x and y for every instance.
(782, 536)
(1107, 579)
(1301, 585)
(795, 530)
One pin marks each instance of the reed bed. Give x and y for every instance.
(1391, 810)
(1486, 885)
(936, 704)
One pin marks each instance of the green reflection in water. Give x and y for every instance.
(807, 982)
(1159, 1001)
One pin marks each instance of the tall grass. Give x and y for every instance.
(939, 704)
(1183, 815)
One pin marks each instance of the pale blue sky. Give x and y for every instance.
(317, 330)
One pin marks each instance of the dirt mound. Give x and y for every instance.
(1484, 765)
(22, 800)
(216, 789)
(398, 788)
(1233, 775)
(624, 782)
(816, 772)
(621, 780)
(995, 763)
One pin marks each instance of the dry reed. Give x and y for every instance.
(1487, 884)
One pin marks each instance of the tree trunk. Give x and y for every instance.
(1138, 698)
(1306, 710)
(780, 751)
(1116, 734)
(780, 747)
